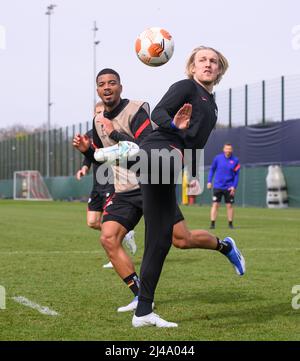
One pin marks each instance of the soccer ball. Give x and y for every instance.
(154, 46)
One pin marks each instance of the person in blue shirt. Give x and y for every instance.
(225, 170)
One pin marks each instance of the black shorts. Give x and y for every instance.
(126, 208)
(98, 198)
(218, 193)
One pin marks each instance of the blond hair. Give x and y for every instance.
(223, 63)
(97, 105)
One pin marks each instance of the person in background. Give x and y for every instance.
(225, 170)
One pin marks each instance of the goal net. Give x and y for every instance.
(29, 184)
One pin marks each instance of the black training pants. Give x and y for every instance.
(159, 204)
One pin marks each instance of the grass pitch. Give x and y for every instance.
(49, 256)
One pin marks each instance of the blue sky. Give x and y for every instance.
(261, 40)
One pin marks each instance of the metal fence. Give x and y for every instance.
(260, 103)
(29, 152)
(268, 101)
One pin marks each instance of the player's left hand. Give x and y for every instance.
(183, 116)
(232, 191)
(82, 172)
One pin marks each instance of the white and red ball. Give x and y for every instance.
(154, 46)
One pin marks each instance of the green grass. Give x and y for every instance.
(48, 255)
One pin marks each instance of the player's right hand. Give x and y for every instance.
(82, 143)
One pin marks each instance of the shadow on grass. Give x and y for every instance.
(213, 297)
(240, 306)
(227, 306)
(258, 314)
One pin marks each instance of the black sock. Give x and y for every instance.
(143, 308)
(230, 223)
(133, 282)
(212, 223)
(223, 247)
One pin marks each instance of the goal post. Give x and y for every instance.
(29, 185)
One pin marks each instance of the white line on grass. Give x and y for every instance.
(287, 249)
(42, 309)
(48, 252)
(263, 218)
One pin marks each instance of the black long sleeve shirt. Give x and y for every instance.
(203, 119)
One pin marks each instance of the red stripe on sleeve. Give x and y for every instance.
(237, 167)
(93, 145)
(141, 128)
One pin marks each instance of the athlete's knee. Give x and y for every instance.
(110, 243)
(182, 241)
(93, 220)
(94, 224)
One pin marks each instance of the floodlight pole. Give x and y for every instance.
(95, 43)
(49, 12)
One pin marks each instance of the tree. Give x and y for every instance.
(18, 130)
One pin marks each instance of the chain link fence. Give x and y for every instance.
(269, 101)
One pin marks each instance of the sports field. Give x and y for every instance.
(50, 257)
